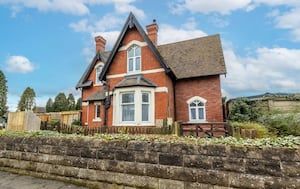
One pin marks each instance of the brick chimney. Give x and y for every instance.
(152, 30)
(100, 43)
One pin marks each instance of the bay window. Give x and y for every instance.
(134, 107)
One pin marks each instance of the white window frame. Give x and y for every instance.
(96, 106)
(117, 110)
(134, 58)
(191, 100)
(97, 74)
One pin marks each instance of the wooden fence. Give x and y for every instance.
(210, 129)
(85, 130)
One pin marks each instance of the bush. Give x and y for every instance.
(261, 130)
(244, 110)
(76, 122)
(283, 124)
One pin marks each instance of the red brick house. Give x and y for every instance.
(140, 83)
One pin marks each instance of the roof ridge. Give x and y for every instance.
(187, 40)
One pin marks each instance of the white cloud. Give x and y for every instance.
(126, 8)
(224, 7)
(69, 7)
(75, 7)
(290, 20)
(19, 64)
(271, 69)
(168, 34)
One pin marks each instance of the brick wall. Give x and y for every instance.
(205, 87)
(141, 164)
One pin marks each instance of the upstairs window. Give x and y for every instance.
(197, 109)
(98, 72)
(134, 59)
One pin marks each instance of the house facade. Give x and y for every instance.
(140, 83)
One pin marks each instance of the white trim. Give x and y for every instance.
(84, 103)
(133, 42)
(196, 98)
(189, 101)
(142, 72)
(98, 83)
(137, 92)
(161, 89)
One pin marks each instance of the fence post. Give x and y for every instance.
(177, 129)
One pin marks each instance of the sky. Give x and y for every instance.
(47, 44)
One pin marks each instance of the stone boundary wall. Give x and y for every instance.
(141, 164)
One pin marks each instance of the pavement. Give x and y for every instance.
(15, 181)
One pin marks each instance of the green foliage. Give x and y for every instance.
(243, 111)
(60, 103)
(78, 104)
(71, 102)
(54, 122)
(49, 105)
(262, 131)
(288, 141)
(76, 122)
(27, 101)
(3, 94)
(283, 124)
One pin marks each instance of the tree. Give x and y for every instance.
(78, 104)
(3, 94)
(27, 101)
(49, 105)
(60, 103)
(244, 110)
(71, 102)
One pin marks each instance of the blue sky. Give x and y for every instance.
(47, 45)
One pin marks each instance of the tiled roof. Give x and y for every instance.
(99, 95)
(135, 80)
(194, 58)
(84, 82)
(186, 59)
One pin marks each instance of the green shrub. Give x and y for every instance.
(54, 122)
(244, 110)
(283, 124)
(261, 130)
(76, 122)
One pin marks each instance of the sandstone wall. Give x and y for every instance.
(140, 164)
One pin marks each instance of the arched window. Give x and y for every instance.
(134, 59)
(98, 72)
(197, 109)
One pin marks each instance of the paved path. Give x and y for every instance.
(14, 181)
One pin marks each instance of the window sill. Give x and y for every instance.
(197, 121)
(97, 120)
(135, 125)
(98, 84)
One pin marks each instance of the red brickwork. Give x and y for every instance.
(205, 87)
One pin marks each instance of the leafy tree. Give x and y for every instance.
(78, 104)
(49, 105)
(3, 94)
(71, 102)
(27, 101)
(60, 103)
(243, 110)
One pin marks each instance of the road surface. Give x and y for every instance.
(15, 181)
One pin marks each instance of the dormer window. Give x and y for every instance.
(134, 59)
(98, 69)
